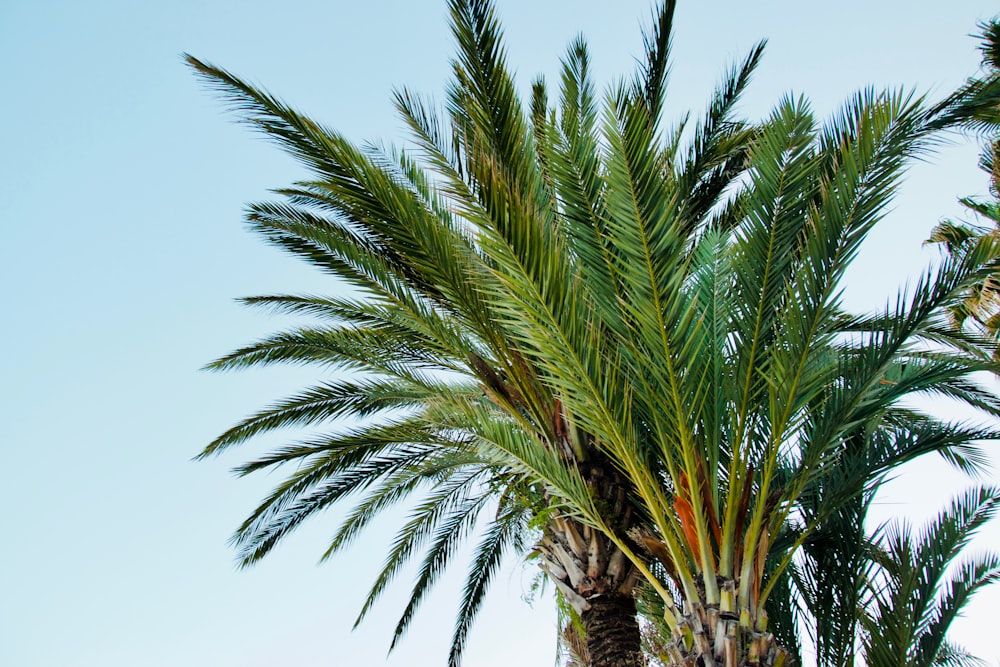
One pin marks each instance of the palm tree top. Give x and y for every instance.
(571, 315)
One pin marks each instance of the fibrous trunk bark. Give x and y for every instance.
(595, 577)
(613, 638)
(597, 580)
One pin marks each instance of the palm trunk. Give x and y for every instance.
(613, 638)
(594, 576)
(598, 581)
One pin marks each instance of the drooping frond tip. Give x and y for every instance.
(300, 136)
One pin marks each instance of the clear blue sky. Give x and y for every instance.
(121, 188)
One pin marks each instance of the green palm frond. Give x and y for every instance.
(975, 105)
(445, 518)
(331, 401)
(834, 572)
(921, 595)
(650, 83)
(505, 533)
(328, 470)
(717, 154)
(952, 655)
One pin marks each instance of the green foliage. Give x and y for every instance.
(919, 590)
(542, 294)
(980, 105)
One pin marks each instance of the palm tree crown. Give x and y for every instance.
(623, 336)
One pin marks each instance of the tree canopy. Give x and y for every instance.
(626, 342)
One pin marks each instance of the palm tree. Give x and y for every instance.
(746, 380)
(438, 366)
(828, 587)
(742, 377)
(832, 580)
(631, 343)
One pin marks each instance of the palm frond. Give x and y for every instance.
(919, 599)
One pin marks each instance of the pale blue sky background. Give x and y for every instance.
(121, 188)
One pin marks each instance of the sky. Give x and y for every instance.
(122, 185)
